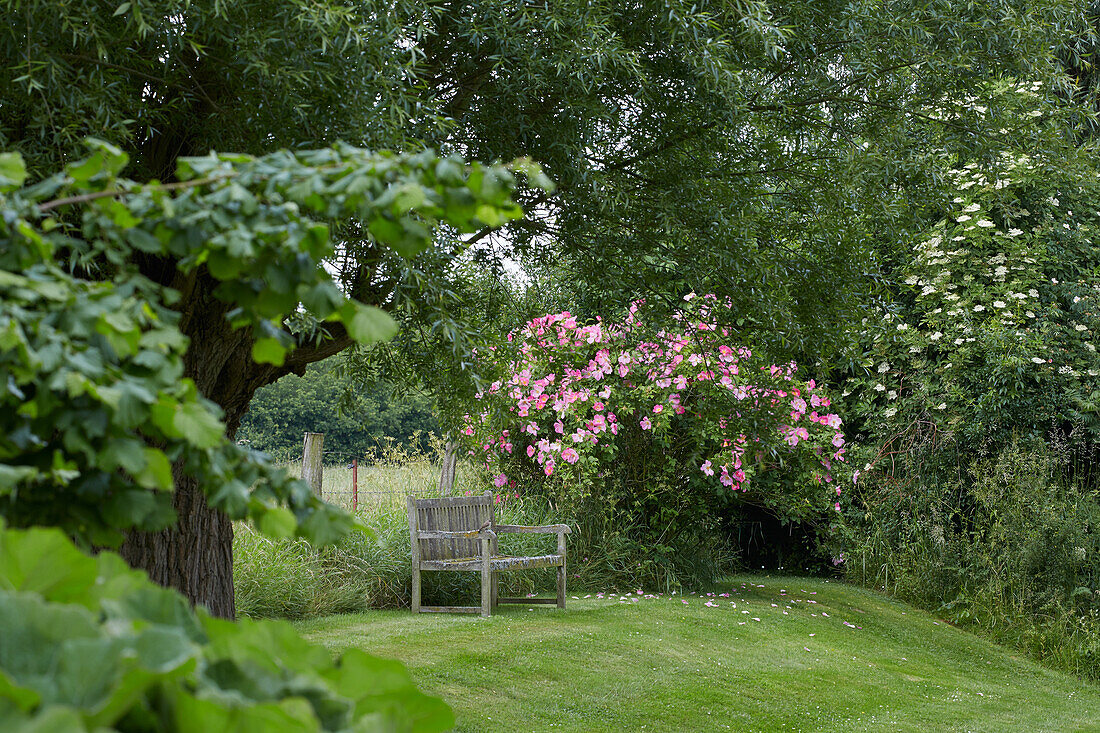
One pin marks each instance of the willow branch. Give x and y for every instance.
(86, 197)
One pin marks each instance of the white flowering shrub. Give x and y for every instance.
(995, 316)
(976, 418)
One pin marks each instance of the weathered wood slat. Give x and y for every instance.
(441, 535)
(525, 529)
(415, 600)
(453, 514)
(456, 501)
(527, 563)
(495, 563)
(450, 609)
(561, 571)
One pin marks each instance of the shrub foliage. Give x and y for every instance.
(652, 436)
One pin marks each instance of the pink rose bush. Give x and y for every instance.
(683, 407)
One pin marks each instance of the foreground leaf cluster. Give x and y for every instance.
(99, 425)
(97, 421)
(88, 644)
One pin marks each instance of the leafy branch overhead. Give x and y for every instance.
(94, 408)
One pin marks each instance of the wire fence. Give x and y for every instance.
(382, 477)
(374, 485)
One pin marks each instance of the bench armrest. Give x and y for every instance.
(471, 535)
(525, 529)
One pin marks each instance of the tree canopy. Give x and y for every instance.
(772, 153)
(355, 419)
(696, 146)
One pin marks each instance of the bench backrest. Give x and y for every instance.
(449, 514)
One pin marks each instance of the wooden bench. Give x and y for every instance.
(460, 533)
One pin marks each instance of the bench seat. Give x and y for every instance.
(496, 562)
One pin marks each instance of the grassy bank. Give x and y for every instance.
(777, 654)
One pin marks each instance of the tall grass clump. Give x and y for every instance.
(610, 552)
(1008, 542)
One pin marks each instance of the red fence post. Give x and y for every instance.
(354, 484)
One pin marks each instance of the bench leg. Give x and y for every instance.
(561, 571)
(415, 589)
(486, 580)
(561, 586)
(496, 589)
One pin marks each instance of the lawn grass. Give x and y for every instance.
(839, 659)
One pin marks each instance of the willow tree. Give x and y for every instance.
(738, 147)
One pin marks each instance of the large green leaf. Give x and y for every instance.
(157, 471)
(137, 656)
(367, 324)
(200, 427)
(278, 522)
(268, 351)
(42, 561)
(12, 171)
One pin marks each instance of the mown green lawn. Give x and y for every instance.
(782, 654)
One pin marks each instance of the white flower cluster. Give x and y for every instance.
(975, 279)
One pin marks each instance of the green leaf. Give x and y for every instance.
(374, 683)
(322, 299)
(85, 169)
(278, 522)
(13, 171)
(45, 562)
(408, 197)
(224, 266)
(114, 157)
(198, 426)
(230, 497)
(121, 332)
(11, 476)
(53, 719)
(193, 715)
(95, 638)
(367, 324)
(126, 454)
(143, 241)
(121, 9)
(385, 230)
(268, 351)
(325, 525)
(490, 215)
(127, 509)
(157, 472)
(24, 698)
(163, 414)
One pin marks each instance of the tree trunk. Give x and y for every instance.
(195, 557)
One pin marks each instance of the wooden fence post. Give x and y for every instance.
(447, 475)
(312, 471)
